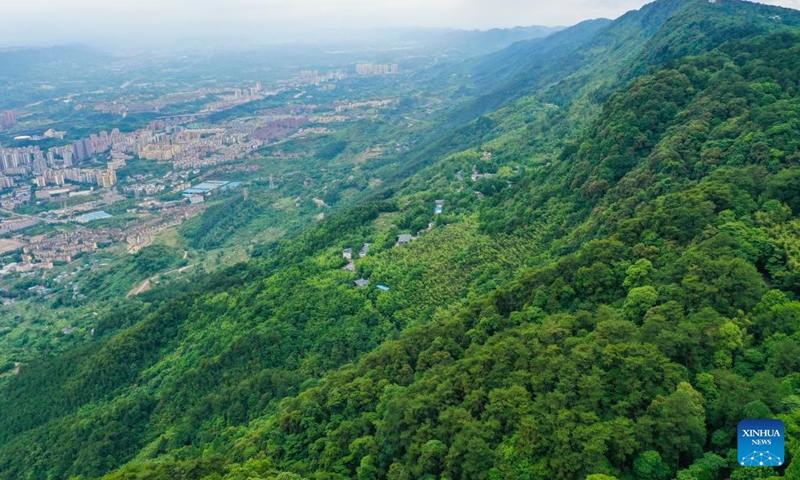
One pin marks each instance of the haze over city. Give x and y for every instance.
(142, 22)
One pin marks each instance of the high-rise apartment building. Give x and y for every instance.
(80, 151)
(55, 177)
(8, 119)
(107, 178)
(39, 166)
(88, 146)
(67, 155)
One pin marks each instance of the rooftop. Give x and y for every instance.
(404, 238)
(210, 186)
(89, 217)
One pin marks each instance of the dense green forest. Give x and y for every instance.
(610, 295)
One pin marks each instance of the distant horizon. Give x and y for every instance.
(330, 35)
(159, 23)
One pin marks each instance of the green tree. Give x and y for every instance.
(649, 466)
(679, 424)
(639, 301)
(708, 467)
(639, 274)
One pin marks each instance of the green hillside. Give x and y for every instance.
(611, 294)
(588, 62)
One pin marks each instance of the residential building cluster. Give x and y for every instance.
(209, 149)
(8, 226)
(141, 235)
(314, 77)
(56, 165)
(65, 246)
(20, 195)
(235, 97)
(22, 161)
(7, 119)
(377, 69)
(103, 177)
(147, 185)
(164, 140)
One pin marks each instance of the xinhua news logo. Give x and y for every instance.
(761, 443)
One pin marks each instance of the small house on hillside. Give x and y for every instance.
(361, 283)
(347, 253)
(404, 238)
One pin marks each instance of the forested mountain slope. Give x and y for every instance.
(673, 317)
(615, 310)
(667, 313)
(595, 58)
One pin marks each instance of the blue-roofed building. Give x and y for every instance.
(90, 217)
(230, 185)
(383, 288)
(209, 186)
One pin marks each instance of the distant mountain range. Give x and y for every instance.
(31, 60)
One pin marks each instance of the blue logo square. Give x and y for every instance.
(761, 443)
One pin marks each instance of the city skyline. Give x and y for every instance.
(47, 22)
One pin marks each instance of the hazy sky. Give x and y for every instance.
(27, 22)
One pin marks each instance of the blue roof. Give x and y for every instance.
(230, 185)
(383, 287)
(207, 186)
(92, 216)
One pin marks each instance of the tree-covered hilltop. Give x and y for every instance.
(606, 309)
